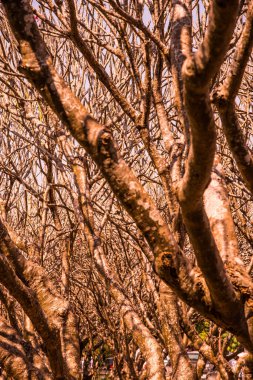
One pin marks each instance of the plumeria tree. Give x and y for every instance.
(126, 187)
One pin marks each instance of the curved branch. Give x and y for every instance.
(99, 143)
(14, 356)
(224, 99)
(50, 314)
(171, 265)
(198, 70)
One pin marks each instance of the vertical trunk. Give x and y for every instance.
(168, 310)
(167, 307)
(200, 367)
(142, 336)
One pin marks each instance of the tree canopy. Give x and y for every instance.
(126, 187)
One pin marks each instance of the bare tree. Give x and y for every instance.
(120, 234)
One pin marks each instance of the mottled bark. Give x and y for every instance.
(222, 226)
(19, 360)
(198, 70)
(207, 352)
(98, 141)
(50, 314)
(142, 336)
(224, 99)
(205, 294)
(9, 304)
(148, 345)
(219, 215)
(169, 315)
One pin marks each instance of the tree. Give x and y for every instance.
(145, 212)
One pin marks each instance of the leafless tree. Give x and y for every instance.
(126, 186)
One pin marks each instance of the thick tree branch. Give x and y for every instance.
(197, 73)
(18, 358)
(49, 313)
(171, 264)
(98, 142)
(225, 102)
(205, 63)
(142, 336)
